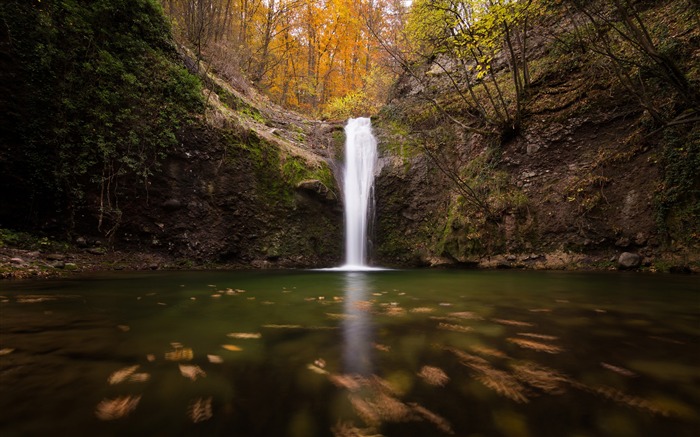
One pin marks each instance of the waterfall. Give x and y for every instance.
(358, 189)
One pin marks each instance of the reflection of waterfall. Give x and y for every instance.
(360, 160)
(357, 334)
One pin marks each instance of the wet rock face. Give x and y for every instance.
(226, 207)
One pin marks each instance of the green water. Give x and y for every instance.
(394, 353)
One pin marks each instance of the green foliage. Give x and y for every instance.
(353, 104)
(23, 240)
(103, 97)
(677, 200)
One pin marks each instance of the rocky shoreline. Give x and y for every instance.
(34, 264)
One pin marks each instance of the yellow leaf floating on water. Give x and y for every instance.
(111, 409)
(200, 410)
(539, 347)
(191, 371)
(244, 335)
(231, 347)
(215, 359)
(180, 354)
(6, 351)
(122, 374)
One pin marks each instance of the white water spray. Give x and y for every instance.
(358, 190)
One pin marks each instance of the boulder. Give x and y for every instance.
(629, 260)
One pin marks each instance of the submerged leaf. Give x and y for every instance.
(200, 410)
(122, 374)
(433, 375)
(273, 326)
(245, 335)
(437, 420)
(538, 336)
(539, 347)
(620, 370)
(455, 328)
(317, 369)
(547, 380)
(503, 384)
(231, 347)
(422, 310)
(191, 371)
(215, 359)
(511, 322)
(140, 377)
(180, 354)
(110, 409)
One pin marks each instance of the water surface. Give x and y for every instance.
(316, 353)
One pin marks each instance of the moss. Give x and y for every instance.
(239, 105)
(677, 199)
(28, 241)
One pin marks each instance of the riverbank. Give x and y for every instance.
(32, 264)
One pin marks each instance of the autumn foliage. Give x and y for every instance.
(305, 54)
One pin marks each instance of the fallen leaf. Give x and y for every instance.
(231, 347)
(244, 335)
(215, 359)
(110, 409)
(433, 375)
(200, 410)
(539, 347)
(139, 377)
(539, 336)
(180, 354)
(620, 370)
(122, 374)
(455, 328)
(511, 322)
(317, 369)
(191, 371)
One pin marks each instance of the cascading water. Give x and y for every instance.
(358, 189)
